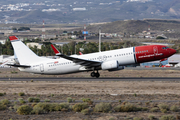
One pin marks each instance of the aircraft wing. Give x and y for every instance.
(76, 60)
(16, 65)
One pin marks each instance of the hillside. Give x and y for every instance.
(54, 11)
(135, 26)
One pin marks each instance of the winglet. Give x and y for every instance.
(55, 50)
(13, 38)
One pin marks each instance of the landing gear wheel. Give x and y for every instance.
(93, 74)
(97, 75)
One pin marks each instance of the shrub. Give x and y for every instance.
(69, 99)
(167, 117)
(112, 118)
(126, 108)
(30, 99)
(22, 101)
(144, 108)
(47, 100)
(36, 100)
(85, 111)
(24, 110)
(163, 106)
(5, 102)
(86, 99)
(2, 107)
(52, 95)
(16, 107)
(62, 106)
(47, 107)
(163, 110)
(52, 107)
(79, 107)
(1, 94)
(136, 118)
(33, 104)
(155, 109)
(43, 106)
(174, 108)
(151, 117)
(37, 110)
(21, 94)
(102, 107)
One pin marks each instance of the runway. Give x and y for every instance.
(92, 79)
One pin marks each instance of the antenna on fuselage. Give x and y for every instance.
(100, 39)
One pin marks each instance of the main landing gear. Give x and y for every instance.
(93, 74)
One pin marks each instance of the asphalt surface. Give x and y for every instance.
(93, 79)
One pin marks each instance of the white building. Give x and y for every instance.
(79, 9)
(3, 41)
(32, 44)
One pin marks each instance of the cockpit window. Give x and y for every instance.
(165, 47)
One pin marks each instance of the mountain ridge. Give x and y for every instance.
(35, 11)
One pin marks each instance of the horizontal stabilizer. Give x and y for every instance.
(16, 65)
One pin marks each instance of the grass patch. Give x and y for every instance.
(14, 72)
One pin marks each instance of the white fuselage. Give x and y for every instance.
(64, 66)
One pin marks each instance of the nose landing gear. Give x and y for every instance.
(93, 74)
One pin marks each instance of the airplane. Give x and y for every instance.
(112, 60)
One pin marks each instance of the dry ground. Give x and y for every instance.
(144, 93)
(13, 72)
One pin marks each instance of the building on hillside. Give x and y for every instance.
(60, 43)
(3, 41)
(32, 44)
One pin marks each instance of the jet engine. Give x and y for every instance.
(109, 65)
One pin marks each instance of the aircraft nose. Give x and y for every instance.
(173, 51)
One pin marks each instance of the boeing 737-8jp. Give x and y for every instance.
(108, 60)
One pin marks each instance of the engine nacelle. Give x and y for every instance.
(113, 64)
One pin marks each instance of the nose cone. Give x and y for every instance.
(173, 51)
